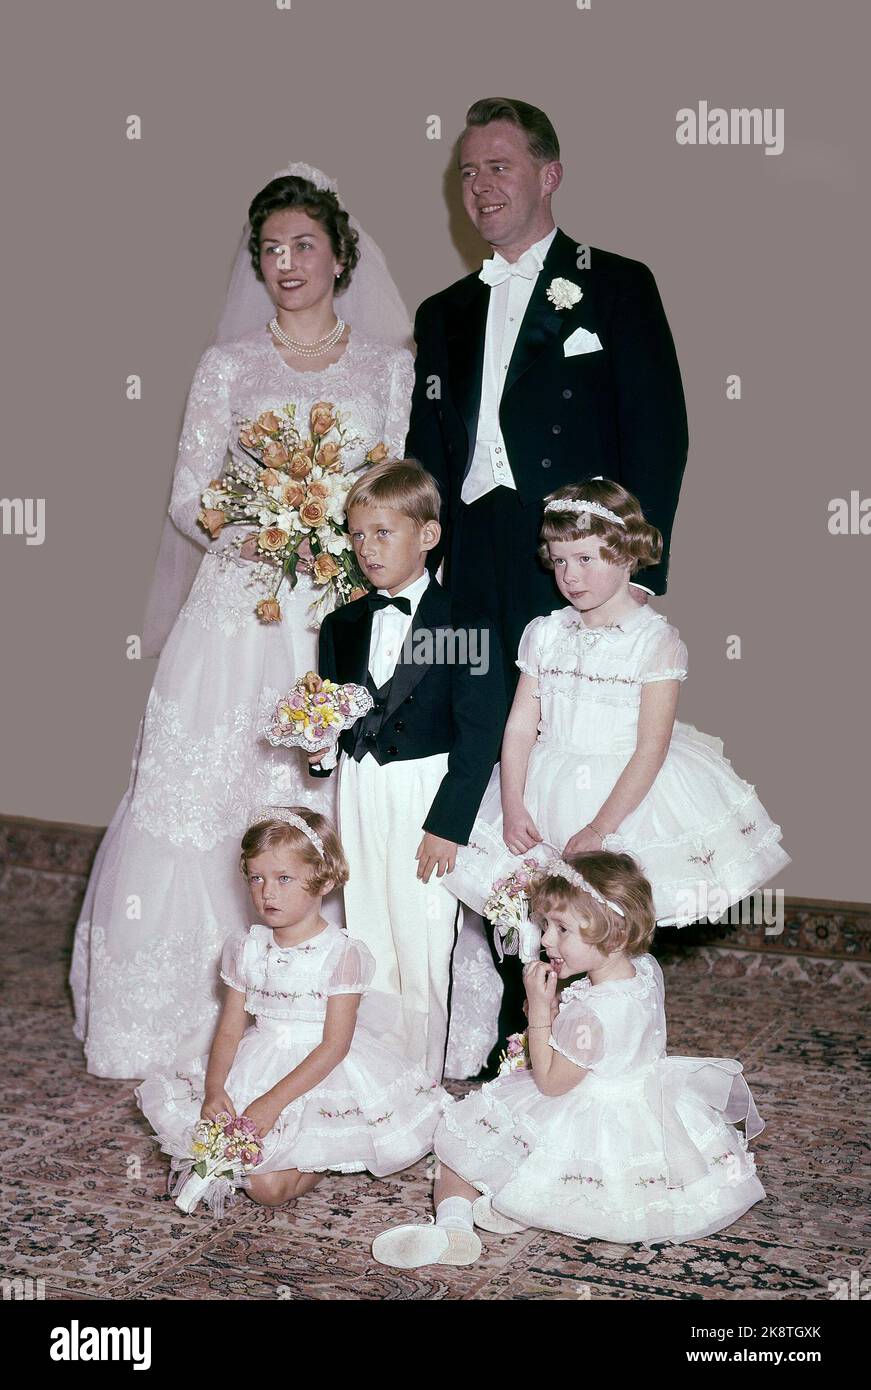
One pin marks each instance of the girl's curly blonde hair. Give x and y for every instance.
(616, 877)
(270, 834)
(636, 544)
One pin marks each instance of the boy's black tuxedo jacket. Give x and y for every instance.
(428, 709)
(618, 412)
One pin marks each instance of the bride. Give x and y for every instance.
(165, 889)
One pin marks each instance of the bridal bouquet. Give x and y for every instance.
(507, 908)
(292, 484)
(224, 1148)
(314, 712)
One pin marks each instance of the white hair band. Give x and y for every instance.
(569, 504)
(560, 869)
(291, 818)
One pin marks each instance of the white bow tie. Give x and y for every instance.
(496, 271)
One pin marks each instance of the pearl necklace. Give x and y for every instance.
(315, 349)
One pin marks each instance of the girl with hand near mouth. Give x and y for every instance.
(604, 1136)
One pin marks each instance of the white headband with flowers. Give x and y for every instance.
(569, 504)
(560, 869)
(291, 818)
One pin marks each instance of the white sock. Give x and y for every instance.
(455, 1214)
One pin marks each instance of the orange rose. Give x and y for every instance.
(269, 421)
(319, 489)
(322, 418)
(249, 439)
(269, 478)
(328, 456)
(275, 454)
(325, 568)
(268, 610)
(357, 593)
(313, 512)
(292, 495)
(212, 520)
(300, 465)
(378, 454)
(272, 538)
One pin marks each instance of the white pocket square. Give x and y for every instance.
(582, 340)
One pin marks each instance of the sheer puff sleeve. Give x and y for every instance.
(203, 446)
(232, 962)
(529, 651)
(577, 1034)
(665, 658)
(353, 969)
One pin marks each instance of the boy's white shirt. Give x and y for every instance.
(390, 628)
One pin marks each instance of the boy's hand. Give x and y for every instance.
(216, 1102)
(435, 853)
(519, 830)
(264, 1112)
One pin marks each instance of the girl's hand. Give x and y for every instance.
(519, 830)
(216, 1102)
(316, 757)
(540, 982)
(586, 839)
(264, 1112)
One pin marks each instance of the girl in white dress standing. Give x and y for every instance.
(603, 1135)
(592, 756)
(302, 1048)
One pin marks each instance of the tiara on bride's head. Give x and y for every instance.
(290, 818)
(570, 504)
(560, 869)
(300, 170)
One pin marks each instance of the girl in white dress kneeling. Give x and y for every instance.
(319, 1070)
(602, 1135)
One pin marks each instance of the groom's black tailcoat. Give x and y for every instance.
(618, 412)
(428, 707)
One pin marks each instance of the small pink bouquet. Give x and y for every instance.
(314, 712)
(516, 1054)
(507, 908)
(225, 1147)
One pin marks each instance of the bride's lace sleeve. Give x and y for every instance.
(399, 403)
(203, 445)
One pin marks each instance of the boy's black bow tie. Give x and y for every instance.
(384, 601)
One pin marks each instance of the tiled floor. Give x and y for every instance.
(83, 1208)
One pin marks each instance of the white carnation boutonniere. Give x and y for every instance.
(563, 294)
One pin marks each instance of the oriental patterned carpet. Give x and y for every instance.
(84, 1210)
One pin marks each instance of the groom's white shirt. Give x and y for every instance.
(491, 466)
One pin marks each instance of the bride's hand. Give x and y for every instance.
(215, 1103)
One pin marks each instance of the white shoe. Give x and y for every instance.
(409, 1247)
(484, 1216)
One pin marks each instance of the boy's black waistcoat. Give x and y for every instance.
(432, 704)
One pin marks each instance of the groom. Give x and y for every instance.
(553, 364)
(516, 395)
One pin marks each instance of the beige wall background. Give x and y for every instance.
(117, 260)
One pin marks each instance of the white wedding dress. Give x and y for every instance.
(166, 889)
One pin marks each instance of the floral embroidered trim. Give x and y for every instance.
(340, 1114)
(582, 1177)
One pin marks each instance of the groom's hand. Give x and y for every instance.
(435, 853)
